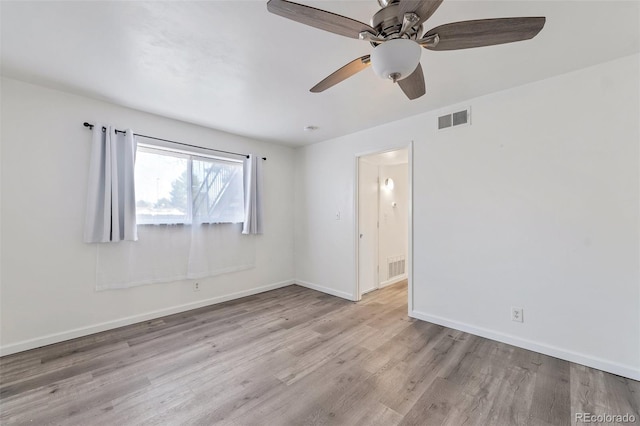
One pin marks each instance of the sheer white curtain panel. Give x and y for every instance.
(207, 243)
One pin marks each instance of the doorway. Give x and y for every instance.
(383, 231)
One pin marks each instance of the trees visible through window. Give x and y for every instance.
(174, 187)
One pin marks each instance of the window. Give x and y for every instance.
(181, 188)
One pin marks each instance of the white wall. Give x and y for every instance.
(393, 230)
(324, 184)
(48, 273)
(536, 204)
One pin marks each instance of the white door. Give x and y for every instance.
(367, 226)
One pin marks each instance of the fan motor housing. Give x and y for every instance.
(387, 23)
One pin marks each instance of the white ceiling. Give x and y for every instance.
(233, 66)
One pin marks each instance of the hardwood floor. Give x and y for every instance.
(294, 356)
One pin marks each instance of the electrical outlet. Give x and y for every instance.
(517, 314)
(338, 215)
(196, 286)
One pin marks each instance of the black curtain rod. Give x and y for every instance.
(90, 126)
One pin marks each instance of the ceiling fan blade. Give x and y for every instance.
(318, 18)
(414, 86)
(484, 32)
(424, 9)
(343, 73)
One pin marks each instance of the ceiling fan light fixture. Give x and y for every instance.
(396, 59)
(395, 35)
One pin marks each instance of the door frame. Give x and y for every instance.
(377, 231)
(357, 295)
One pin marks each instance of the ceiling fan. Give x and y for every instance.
(396, 35)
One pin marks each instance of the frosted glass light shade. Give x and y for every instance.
(396, 59)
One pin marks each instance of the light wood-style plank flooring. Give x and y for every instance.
(295, 356)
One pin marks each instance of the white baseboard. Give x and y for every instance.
(109, 325)
(393, 281)
(341, 294)
(578, 358)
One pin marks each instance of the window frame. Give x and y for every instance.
(190, 156)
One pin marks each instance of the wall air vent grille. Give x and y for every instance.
(396, 266)
(444, 121)
(454, 119)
